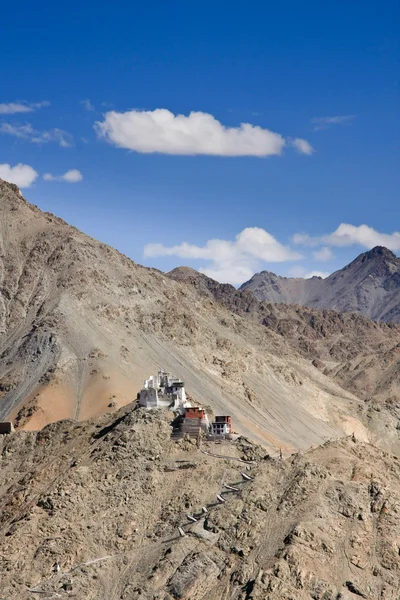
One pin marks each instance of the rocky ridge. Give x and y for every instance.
(96, 507)
(369, 285)
(361, 355)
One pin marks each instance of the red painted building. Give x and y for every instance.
(195, 412)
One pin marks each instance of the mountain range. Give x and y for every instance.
(81, 326)
(96, 496)
(369, 285)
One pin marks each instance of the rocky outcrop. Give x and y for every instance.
(92, 510)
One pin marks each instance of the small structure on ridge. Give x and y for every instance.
(222, 426)
(164, 391)
(195, 422)
(6, 427)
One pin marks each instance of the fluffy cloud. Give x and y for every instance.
(199, 133)
(27, 132)
(22, 175)
(327, 122)
(21, 107)
(231, 261)
(71, 176)
(349, 235)
(302, 146)
(323, 254)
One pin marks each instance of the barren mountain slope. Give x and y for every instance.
(288, 290)
(370, 285)
(363, 356)
(82, 326)
(103, 500)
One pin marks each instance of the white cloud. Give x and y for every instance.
(21, 107)
(322, 274)
(300, 271)
(323, 254)
(302, 146)
(20, 131)
(304, 239)
(88, 105)
(327, 122)
(199, 133)
(349, 235)
(71, 176)
(22, 175)
(62, 138)
(27, 132)
(231, 261)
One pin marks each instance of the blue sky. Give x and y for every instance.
(168, 175)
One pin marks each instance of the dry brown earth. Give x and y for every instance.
(104, 500)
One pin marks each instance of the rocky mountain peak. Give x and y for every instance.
(369, 285)
(378, 253)
(381, 251)
(12, 186)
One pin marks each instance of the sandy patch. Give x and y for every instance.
(105, 388)
(53, 402)
(352, 425)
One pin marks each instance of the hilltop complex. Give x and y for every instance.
(164, 391)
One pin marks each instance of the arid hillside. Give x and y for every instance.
(96, 507)
(82, 326)
(106, 506)
(361, 355)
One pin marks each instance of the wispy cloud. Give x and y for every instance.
(231, 261)
(88, 105)
(323, 254)
(22, 175)
(71, 176)
(327, 122)
(198, 133)
(302, 146)
(27, 132)
(12, 108)
(350, 235)
(299, 271)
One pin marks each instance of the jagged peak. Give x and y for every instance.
(12, 187)
(378, 254)
(379, 251)
(184, 271)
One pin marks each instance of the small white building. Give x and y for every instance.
(222, 426)
(163, 391)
